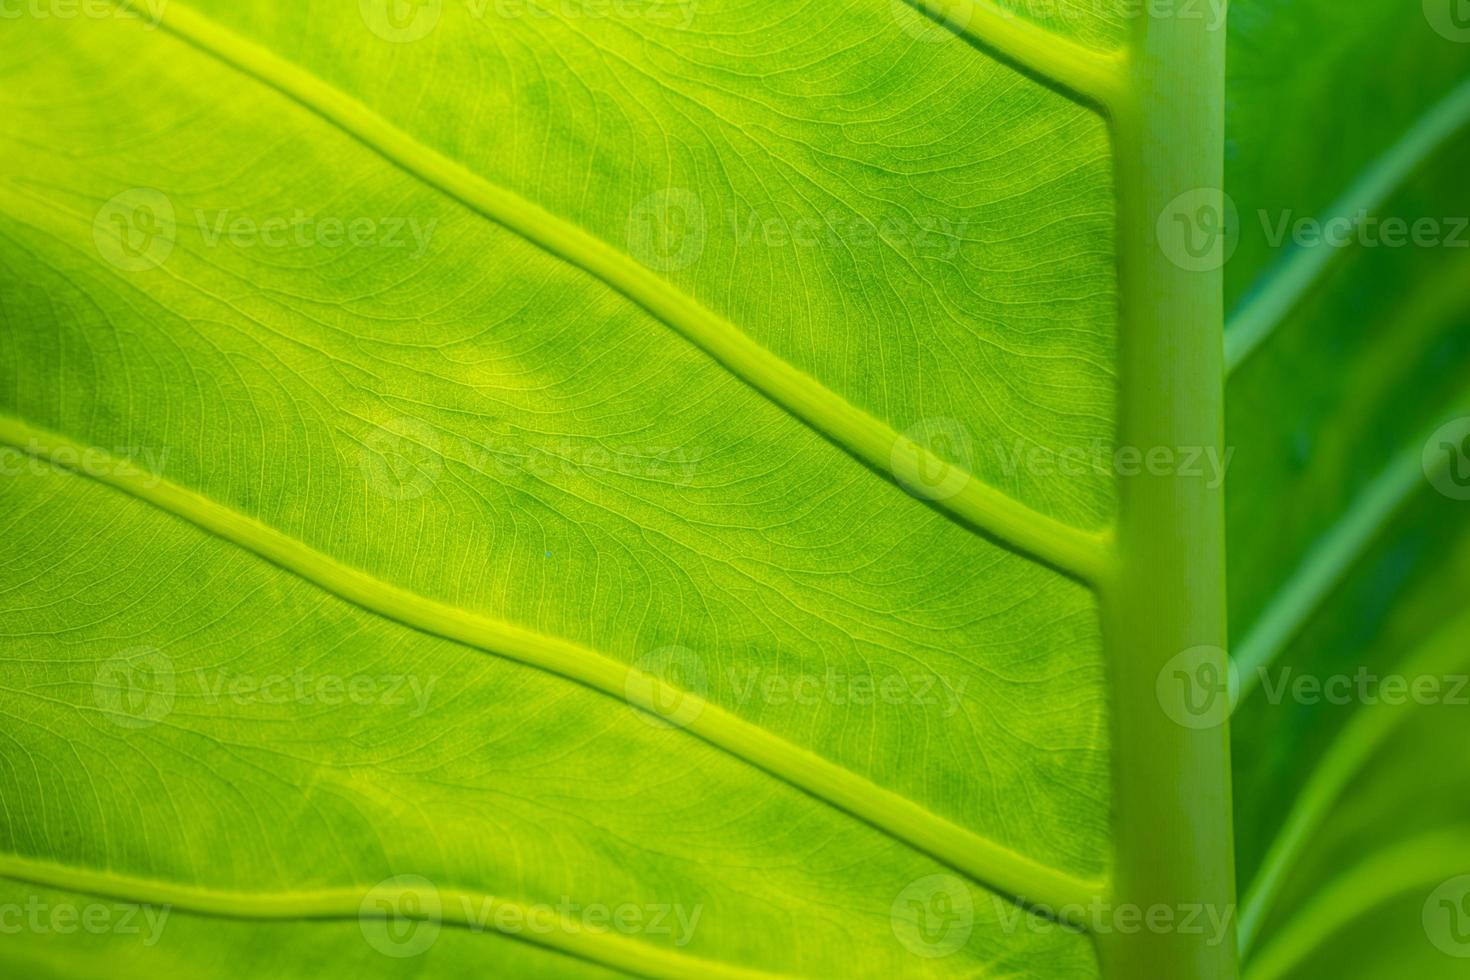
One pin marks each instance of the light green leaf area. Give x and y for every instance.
(482, 776)
(1101, 25)
(122, 945)
(457, 460)
(1347, 548)
(964, 212)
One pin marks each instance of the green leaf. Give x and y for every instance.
(582, 489)
(530, 461)
(1346, 551)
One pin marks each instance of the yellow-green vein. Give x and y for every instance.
(1099, 77)
(477, 911)
(1083, 554)
(1022, 879)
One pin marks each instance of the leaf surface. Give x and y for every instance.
(517, 464)
(1347, 564)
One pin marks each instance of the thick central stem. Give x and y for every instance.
(1165, 610)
